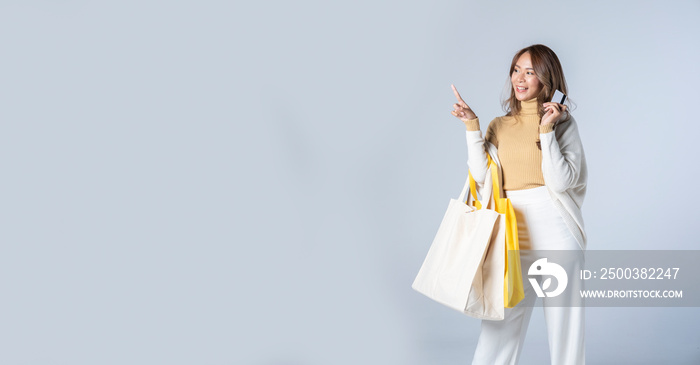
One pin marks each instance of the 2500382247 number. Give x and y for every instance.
(634, 273)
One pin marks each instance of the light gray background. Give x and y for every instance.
(212, 182)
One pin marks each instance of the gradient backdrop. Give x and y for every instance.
(216, 182)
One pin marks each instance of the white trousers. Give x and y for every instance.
(540, 227)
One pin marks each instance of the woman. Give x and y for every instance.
(537, 147)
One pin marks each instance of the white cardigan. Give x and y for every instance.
(563, 168)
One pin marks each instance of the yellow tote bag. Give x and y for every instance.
(513, 291)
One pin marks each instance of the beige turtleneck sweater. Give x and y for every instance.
(516, 138)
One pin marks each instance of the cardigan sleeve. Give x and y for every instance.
(476, 151)
(562, 157)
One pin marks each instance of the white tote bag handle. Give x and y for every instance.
(487, 192)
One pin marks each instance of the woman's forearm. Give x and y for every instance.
(561, 158)
(476, 152)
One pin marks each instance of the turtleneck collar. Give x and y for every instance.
(529, 107)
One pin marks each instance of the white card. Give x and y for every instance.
(559, 97)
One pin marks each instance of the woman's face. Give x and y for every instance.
(525, 83)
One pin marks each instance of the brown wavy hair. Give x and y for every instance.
(547, 69)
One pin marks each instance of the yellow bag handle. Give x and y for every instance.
(496, 179)
(496, 186)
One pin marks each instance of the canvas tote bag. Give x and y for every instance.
(465, 265)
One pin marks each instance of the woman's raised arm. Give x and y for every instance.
(476, 150)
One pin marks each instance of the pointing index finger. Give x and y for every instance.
(459, 97)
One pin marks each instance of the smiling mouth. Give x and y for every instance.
(520, 89)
